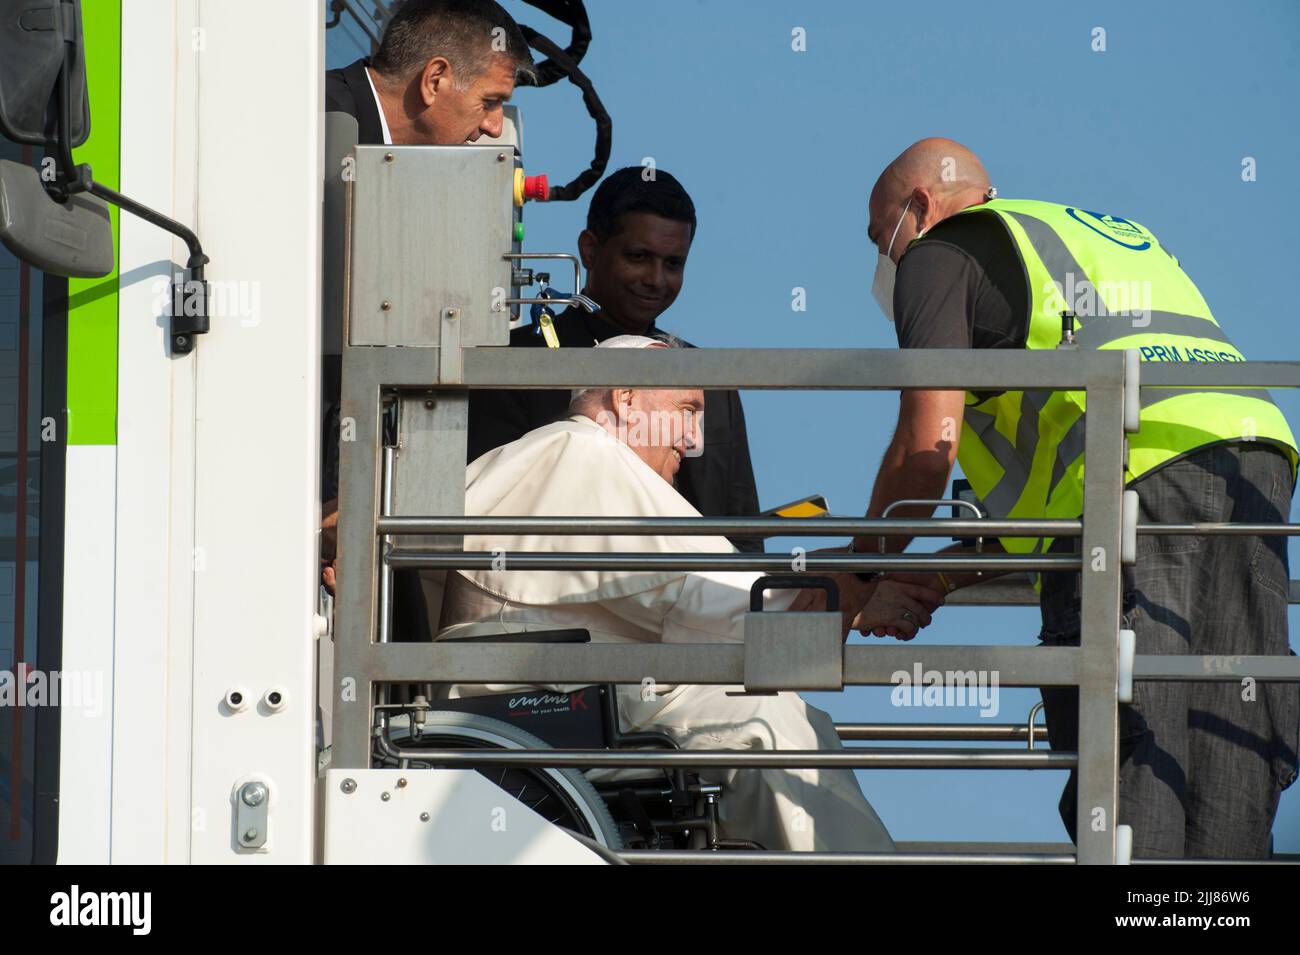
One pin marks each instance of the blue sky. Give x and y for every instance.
(779, 149)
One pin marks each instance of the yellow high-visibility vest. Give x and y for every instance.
(1022, 451)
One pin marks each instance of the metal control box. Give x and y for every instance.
(429, 228)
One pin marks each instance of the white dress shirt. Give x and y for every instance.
(383, 120)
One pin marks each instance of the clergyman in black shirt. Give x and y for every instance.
(639, 230)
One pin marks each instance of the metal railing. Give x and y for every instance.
(371, 549)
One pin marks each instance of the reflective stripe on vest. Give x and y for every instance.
(1023, 450)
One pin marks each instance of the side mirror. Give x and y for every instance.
(74, 238)
(67, 230)
(32, 38)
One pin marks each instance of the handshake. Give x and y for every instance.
(894, 605)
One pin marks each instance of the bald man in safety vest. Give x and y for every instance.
(1201, 769)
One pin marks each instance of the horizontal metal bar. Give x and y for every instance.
(1217, 669)
(1221, 529)
(1217, 862)
(553, 302)
(767, 563)
(986, 848)
(885, 664)
(523, 663)
(740, 857)
(920, 758)
(703, 664)
(1242, 374)
(936, 732)
(1015, 590)
(813, 369)
(728, 526)
(908, 856)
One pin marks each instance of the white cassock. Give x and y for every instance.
(575, 468)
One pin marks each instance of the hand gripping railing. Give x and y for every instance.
(1109, 379)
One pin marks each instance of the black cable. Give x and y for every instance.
(604, 125)
(573, 14)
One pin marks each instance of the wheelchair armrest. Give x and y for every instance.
(572, 635)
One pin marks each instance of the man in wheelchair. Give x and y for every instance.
(616, 456)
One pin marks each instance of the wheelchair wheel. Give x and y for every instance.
(561, 796)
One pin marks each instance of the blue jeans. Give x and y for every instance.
(1202, 765)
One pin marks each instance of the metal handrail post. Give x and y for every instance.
(1098, 746)
(360, 466)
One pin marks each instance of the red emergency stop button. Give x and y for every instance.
(536, 187)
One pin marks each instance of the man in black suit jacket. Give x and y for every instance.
(638, 234)
(442, 75)
(443, 72)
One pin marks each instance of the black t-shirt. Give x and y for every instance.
(962, 286)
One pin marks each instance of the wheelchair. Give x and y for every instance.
(664, 808)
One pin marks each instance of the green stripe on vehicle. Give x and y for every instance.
(92, 303)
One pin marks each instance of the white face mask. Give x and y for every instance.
(882, 286)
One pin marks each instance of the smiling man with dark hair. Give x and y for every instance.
(640, 226)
